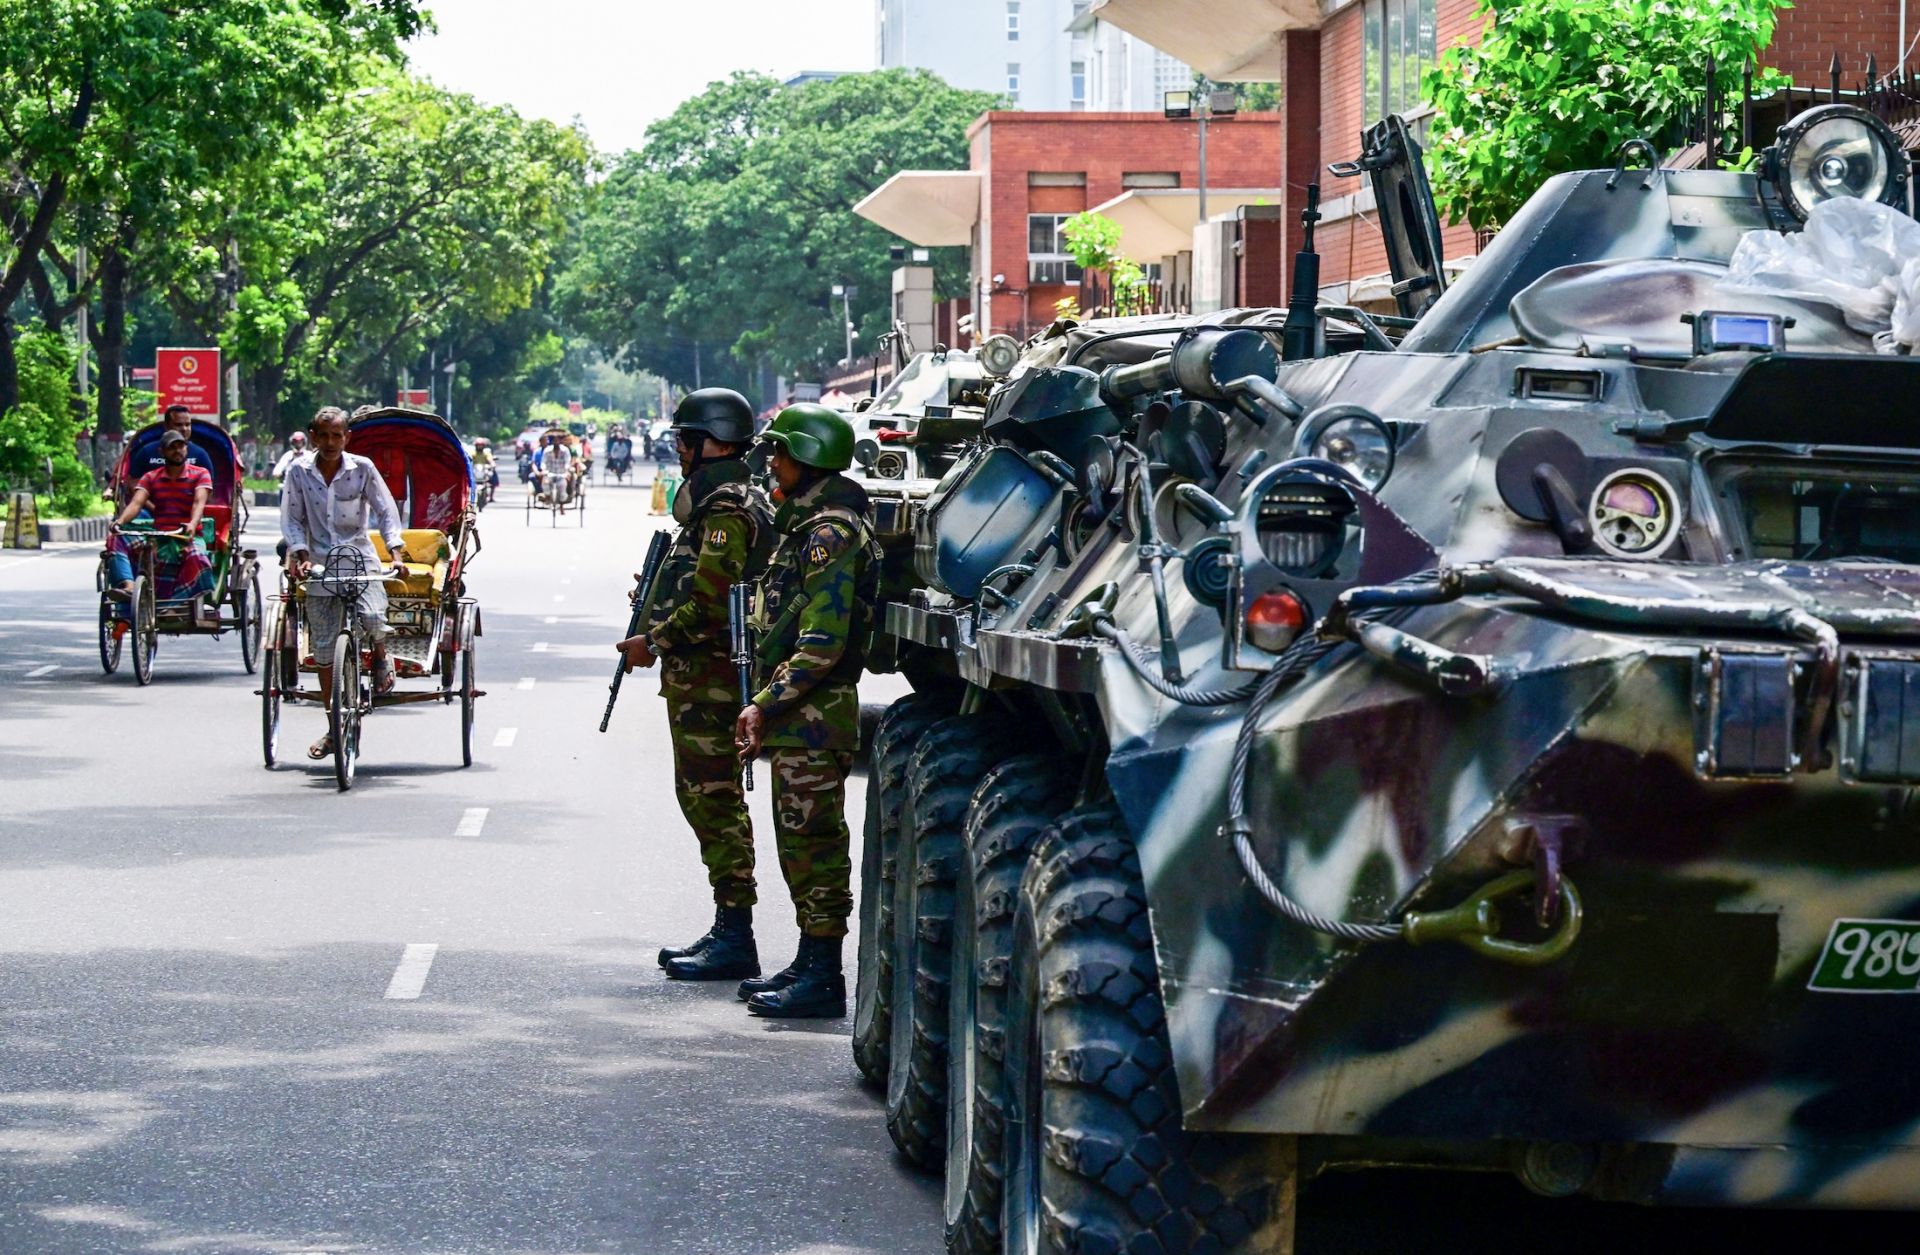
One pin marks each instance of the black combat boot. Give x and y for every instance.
(820, 993)
(706, 939)
(779, 980)
(728, 954)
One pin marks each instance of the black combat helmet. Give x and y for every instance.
(721, 413)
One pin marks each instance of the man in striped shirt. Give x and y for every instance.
(175, 495)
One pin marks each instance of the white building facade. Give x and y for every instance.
(1041, 55)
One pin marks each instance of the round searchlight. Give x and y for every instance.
(1837, 151)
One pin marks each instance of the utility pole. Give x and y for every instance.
(696, 366)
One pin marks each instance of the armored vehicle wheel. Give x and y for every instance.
(948, 762)
(899, 730)
(1096, 1158)
(1011, 808)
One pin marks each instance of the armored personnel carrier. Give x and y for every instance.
(1482, 738)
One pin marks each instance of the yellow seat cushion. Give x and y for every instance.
(424, 578)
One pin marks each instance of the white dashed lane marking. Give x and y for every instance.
(37, 672)
(553, 618)
(472, 820)
(504, 737)
(526, 682)
(410, 977)
(539, 647)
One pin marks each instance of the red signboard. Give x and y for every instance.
(189, 377)
(415, 398)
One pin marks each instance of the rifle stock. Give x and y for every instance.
(644, 594)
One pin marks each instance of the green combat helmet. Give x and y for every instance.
(813, 434)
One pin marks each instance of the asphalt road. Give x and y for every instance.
(197, 1049)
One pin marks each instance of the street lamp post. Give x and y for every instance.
(845, 292)
(1201, 107)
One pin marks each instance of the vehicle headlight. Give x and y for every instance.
(1353, 438)
(1834, 151)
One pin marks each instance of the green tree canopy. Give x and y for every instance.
(1559, 85)
(130, 111)
(725, 233)
(396, 212)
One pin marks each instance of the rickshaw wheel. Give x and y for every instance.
(270, 708)
(109, 643)
(343, 711)
(468, 690)
(143, 633)
(246, 608)
(529, 509)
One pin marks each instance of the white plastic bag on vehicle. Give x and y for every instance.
(1858, 255)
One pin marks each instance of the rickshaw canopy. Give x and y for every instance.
(213, 449)
(421, 458)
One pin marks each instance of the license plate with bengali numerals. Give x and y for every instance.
(1869, 956)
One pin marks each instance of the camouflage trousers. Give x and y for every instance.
(810, 819)
(706, 780)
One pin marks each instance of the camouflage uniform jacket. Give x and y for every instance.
(728, 527)
(814, 616)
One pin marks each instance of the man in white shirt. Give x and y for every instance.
(328, 500)
(556, 460)
(296, 449)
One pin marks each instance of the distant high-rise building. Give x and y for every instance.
(1041, 55)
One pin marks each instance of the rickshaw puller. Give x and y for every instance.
(329, 500)
(175, 495)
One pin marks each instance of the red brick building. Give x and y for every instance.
(1031, 171)
(1341, 63)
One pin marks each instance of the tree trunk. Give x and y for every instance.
(9, 369)
(111, 343)
(267, 381)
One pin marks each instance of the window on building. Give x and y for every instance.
(1150, 178)
(1013, 19)
(1079, 83)
(1056, 178)
(1399, 41)
(1013, 82)
(1047, 258)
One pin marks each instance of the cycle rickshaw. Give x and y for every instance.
(572, 495)
(619, 457)
(231, 604)
(431, 621)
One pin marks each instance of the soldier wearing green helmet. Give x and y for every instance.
(813, 617)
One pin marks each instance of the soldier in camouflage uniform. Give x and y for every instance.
(725, 524)
(813, 617)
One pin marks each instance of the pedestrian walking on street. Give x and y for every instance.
(725, 528)
(814, 616)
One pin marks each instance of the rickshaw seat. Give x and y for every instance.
(424, 579)
(222, 518)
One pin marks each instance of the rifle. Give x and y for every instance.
(740, 640)
(644, 593)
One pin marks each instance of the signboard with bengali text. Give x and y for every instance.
(189, 377)
(415, 398)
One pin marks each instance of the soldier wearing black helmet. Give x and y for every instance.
(814, 615)
(725, 524)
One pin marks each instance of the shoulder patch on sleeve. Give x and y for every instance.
(824, 543)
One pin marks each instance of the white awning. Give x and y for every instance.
(931, 208)
(1157, 222)
(1229, 41)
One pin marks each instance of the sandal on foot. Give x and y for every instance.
(382, 679)
(321, 748)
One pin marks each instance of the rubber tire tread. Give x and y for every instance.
(1118, 1171)
(899, 729)
(1011, 809)
(947, 764)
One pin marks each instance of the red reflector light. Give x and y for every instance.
(1274, 620)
